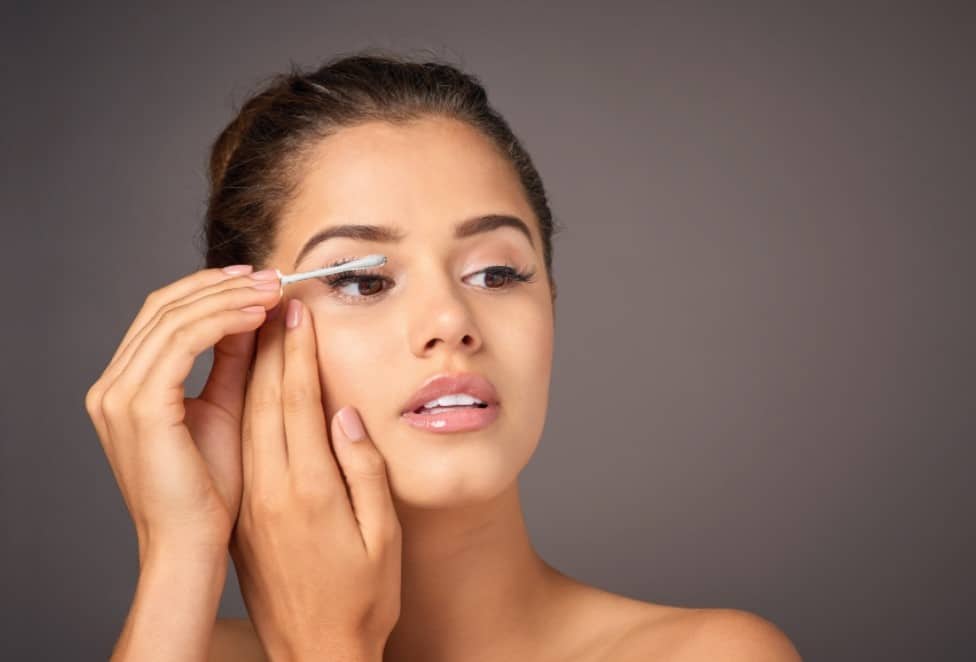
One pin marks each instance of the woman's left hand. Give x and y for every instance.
(319, 569)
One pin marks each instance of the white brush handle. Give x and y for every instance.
(359, 263)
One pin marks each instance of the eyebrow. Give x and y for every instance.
(387, 234)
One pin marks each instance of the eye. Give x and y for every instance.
(364, 285)
(357, 286)
(500, 277)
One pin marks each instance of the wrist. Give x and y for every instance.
(183, 552)
(174, 607)
(206, 567)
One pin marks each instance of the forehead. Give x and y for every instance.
(421, 177)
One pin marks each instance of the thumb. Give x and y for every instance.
(365, 472)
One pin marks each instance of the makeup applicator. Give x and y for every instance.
(358, 263)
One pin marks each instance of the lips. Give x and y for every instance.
(448, 384)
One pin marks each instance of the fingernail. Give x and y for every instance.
(294, 315)
(237, 269)
(264, 274)
(351, 424)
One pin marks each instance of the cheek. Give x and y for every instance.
(523, 342)
(353, 367)
(535, 356)
(521, 348)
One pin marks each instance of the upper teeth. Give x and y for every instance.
(453, 399)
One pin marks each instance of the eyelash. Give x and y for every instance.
(336, 281)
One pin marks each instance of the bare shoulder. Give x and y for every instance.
(234, 640)
(679, 634)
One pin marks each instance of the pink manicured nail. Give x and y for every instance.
(237, 269)
(265, 274)
(351, 424)
(294, 314)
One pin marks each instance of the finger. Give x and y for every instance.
(173, 292)
(365, 473)
(124, 354)
(228, 376)
(182, 291)
(306, 435)
(265, 429)
(152, 384)
(247, 447)
(225, 389)
(165, 357)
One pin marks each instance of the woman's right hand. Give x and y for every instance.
(177, 460)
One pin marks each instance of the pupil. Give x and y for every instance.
(374, 281)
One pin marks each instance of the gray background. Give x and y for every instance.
(763, 391)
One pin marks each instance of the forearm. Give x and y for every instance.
(174, 608)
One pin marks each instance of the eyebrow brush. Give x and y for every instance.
(358, 263)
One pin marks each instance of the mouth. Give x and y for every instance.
(452, 403)
(456, 418)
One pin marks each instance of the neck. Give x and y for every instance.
(472, 585)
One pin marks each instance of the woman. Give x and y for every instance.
(362, 525)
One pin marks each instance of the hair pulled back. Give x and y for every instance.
(256, 161)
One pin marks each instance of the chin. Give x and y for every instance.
(453, 470)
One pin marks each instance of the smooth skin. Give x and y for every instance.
(473, 587)
(199, 474)
(177, 460)
(470, 584)
(319, 568)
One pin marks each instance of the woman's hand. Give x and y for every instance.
(319, 568)
(176, 459)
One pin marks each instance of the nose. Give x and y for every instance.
(441, 319)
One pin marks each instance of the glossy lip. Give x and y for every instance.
(459, 420)
(449, 383)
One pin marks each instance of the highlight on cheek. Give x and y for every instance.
(369, 285)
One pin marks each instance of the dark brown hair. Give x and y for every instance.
(256, 161)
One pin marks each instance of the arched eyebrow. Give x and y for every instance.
(387, 234)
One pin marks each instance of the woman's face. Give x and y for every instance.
(431, 308)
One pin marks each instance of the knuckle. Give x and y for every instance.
(114, 402)
(157, 317)
(371, 465)
(311, 489)
(93, 400)
(180, 335)
(296, 397)
(154, 299)
(265, 505)
(165, 310)
(264, 399)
